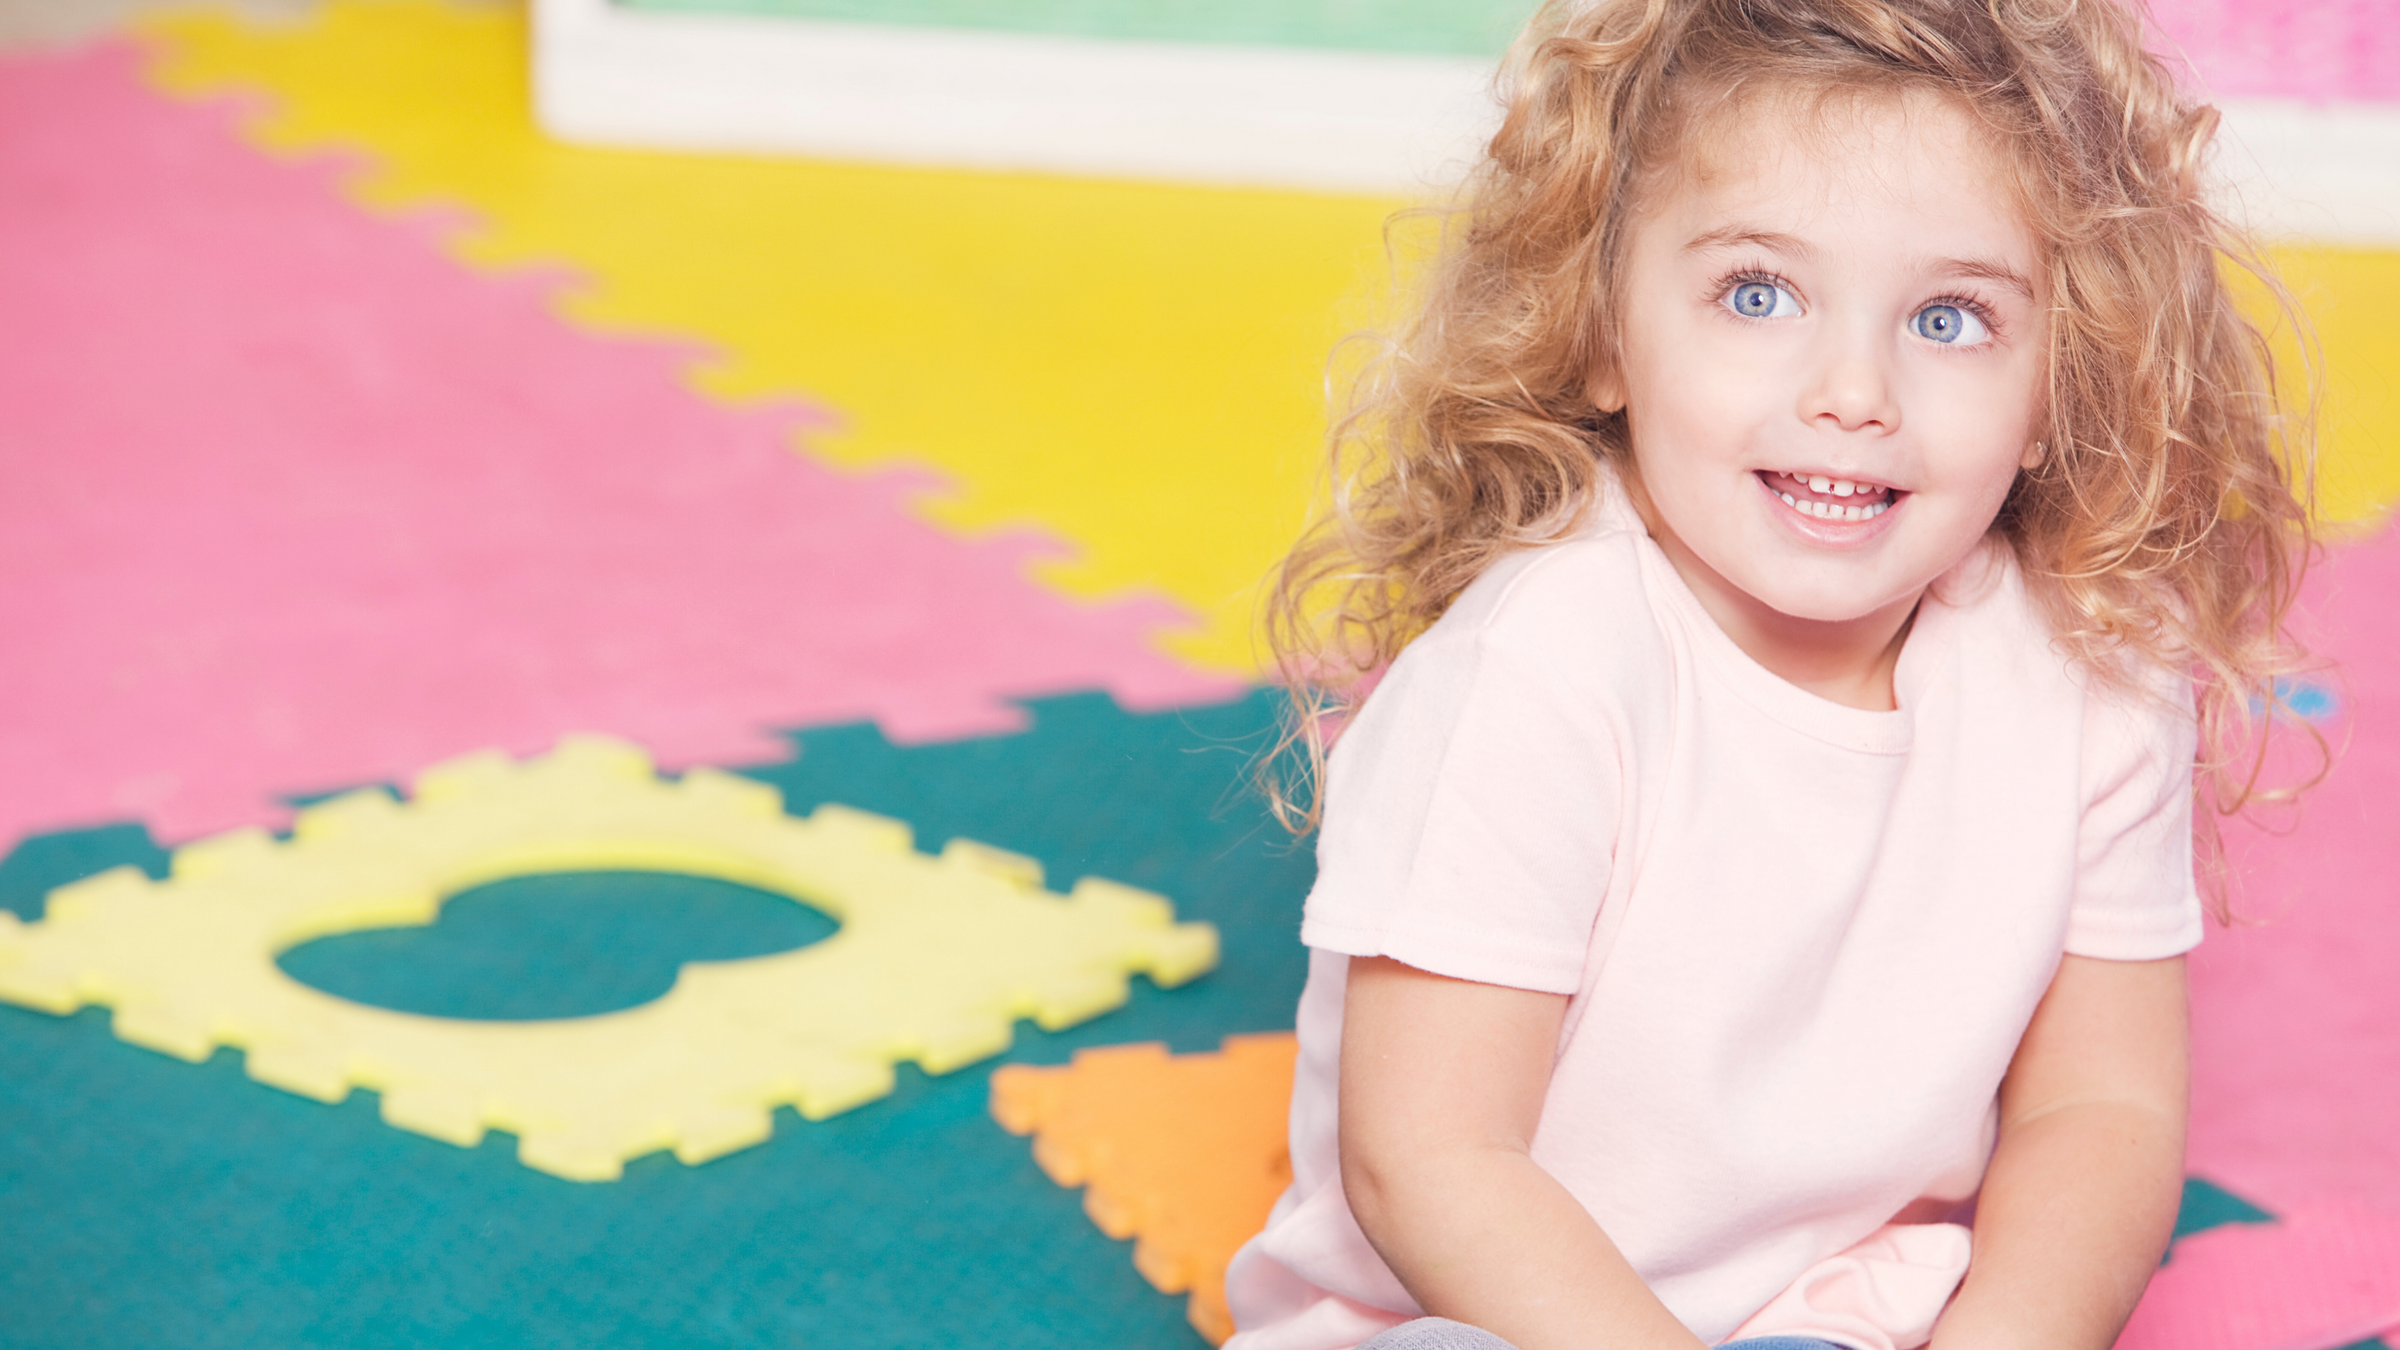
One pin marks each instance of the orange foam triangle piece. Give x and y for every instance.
(1185, 1154)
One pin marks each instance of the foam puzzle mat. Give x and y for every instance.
(1136, 368)
(355, 429)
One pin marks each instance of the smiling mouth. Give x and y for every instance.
(1834, 500)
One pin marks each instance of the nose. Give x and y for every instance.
(1850, 388)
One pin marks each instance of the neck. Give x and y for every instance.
(1849, 661)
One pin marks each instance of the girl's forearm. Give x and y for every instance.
(1485, 1236)
(1442, 1088)
(2081, 1194)
(2074, 1216)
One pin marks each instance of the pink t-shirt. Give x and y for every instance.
(1802, 940)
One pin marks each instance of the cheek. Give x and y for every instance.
(1981, 423)
(1695, 410)
(1994, 399)
(1975, 480)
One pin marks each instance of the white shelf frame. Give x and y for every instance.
(1316, 120)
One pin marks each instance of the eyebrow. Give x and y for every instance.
(1998, 273)
(1733, 236)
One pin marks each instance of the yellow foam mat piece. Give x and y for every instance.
(934, 960)
(2350, 296)
(1135, 368)
(1183, 1153)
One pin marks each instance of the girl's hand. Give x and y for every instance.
(1442, 1083)
(2082, 1191)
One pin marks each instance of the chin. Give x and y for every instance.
(1824, 609)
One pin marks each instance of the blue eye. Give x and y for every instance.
(1761, 300)
(1948, 325)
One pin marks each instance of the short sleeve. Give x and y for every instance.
(1472, 806)
(2135, 897)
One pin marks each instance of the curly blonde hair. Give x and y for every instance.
(2167, 520)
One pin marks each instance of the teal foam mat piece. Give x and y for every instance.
(561, 944)
(152, 1202)
(1437, 27)
(2207, 1205)
(45, 862)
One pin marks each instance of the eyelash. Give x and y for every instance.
(1982, 311)
(1742, 275)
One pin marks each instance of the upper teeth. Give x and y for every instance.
(1839, 487)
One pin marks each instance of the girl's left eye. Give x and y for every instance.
(1950, 325)
(1761, 300)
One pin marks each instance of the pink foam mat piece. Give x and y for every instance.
(2322, 1276)
(2345, 50)
(2296, 1015)
(294, 501)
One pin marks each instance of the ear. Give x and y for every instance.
(1605, 387)
(2034, 455)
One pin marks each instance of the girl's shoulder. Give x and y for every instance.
(2001, 620)
(1597, 571)
(1578, 611)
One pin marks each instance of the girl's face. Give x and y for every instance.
(1831, 362)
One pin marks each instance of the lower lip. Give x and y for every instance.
(1830, 533)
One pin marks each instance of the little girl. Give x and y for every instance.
(1826, 516)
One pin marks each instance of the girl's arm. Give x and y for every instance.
(2082, 1191)
(1442, 1083)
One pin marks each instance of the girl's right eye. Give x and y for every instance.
(1761, 300)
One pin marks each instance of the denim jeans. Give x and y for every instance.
(1435, 1333)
